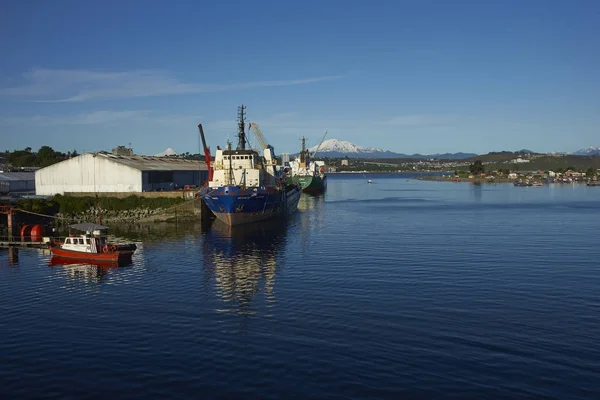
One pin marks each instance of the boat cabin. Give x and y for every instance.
(92, 241)
(243, 168)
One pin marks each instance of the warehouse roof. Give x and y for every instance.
(17, 176)
(150, 163)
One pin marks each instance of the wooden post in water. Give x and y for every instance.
(13, 255)
(10, 225)
(8, 210)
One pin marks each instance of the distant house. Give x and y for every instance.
(122, 151)
(345, 163)
(513, 175)
(551, 174)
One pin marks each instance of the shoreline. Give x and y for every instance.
(461, 180)
(387, 172)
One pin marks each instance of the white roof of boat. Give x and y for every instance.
(152, 163)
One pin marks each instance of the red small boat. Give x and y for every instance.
(93, 245)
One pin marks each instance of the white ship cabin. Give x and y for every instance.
(244, 168)
(92, 241)
(301, 168)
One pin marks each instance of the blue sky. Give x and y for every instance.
(407, 76)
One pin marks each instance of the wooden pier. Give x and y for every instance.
(15, 243)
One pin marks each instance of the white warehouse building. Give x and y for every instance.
(103, 173)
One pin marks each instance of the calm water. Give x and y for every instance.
(397, 289)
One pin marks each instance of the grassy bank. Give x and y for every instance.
(71, 205)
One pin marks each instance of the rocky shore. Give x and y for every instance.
(112, 217)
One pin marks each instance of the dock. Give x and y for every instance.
(15, 243)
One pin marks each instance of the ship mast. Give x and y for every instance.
(230, 177)
(303, 153)
(241, 128)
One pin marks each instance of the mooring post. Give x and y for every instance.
(10, 224)
(13, 255)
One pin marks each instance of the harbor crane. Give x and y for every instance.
(206, 153)
(259, 136)
(319, 146)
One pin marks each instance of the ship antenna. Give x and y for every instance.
(230, 172)
(303, 153)
(241, 128)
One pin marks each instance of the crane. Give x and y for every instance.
(206, 153)
(268, 155)
(319, 146)
(259, 136)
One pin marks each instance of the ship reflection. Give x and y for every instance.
(312, 219)
(244, 260)
(89, 272)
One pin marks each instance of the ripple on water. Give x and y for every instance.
(396, 290)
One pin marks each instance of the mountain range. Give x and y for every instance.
(335, 148)
(590, 151)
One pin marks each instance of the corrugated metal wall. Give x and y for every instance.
(11, 182)
(171, 180)
(87, 173)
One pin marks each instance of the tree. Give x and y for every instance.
(590, 172)
(74, 153)
(47, 156)
(21, 158)
(477, 167)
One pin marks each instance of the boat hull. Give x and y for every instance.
(114, 256)
(235, 206)
(311, 184)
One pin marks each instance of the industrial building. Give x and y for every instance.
(103, 172)
(17, 182)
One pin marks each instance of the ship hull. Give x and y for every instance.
(235, 206)
(311, 184)
(113, 256)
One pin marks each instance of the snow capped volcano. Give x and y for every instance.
(167, 152)
(343, 146)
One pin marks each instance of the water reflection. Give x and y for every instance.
(312, 216)
(9, 256)
(476, 190)
(244, 260)
(88, 272)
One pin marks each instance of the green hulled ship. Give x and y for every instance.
(310, 174)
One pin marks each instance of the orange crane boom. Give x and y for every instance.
(206, 153)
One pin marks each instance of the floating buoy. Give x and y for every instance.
(37, 232)
(25, 233)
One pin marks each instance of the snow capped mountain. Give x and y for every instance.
(590, 151)
(167, 152)
(343, 146)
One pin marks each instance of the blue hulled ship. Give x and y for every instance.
(247, 187)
